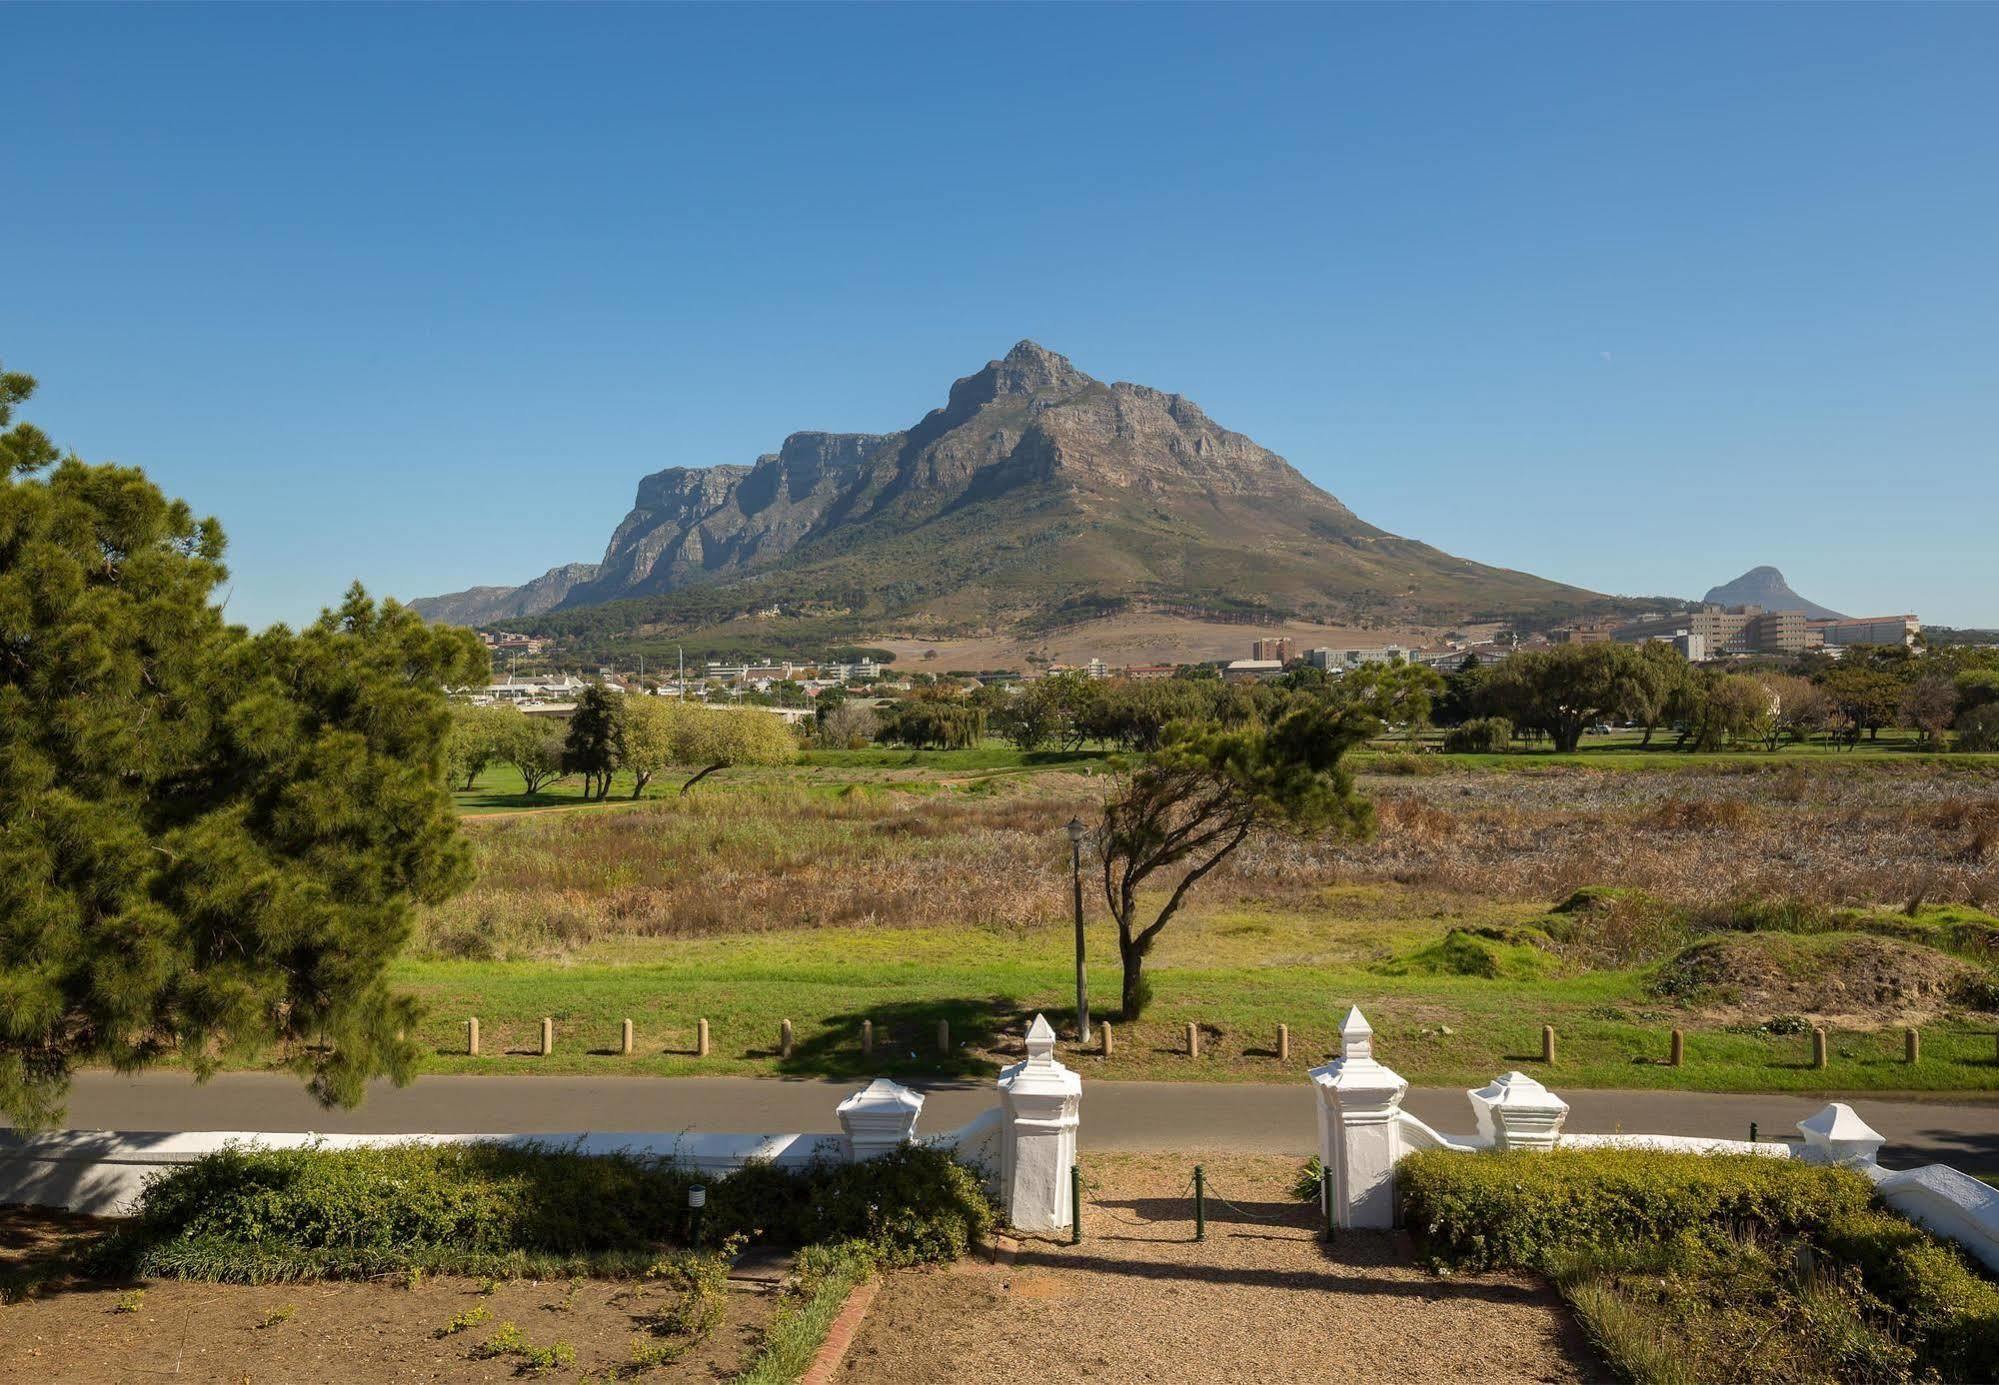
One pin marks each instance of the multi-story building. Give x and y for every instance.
(1282, 648)
(1333, 660)
(1774, 632)
(1870, 630)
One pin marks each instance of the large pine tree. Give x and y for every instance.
(210, 841)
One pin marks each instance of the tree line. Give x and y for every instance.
(611, 733)
(1949, 697)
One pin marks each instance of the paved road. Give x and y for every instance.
(1263, 1118)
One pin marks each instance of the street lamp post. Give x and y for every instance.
(1076, 830)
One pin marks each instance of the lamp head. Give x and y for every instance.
(1076, 830)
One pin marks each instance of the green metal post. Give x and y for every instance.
(1752, 1132)
(1200, 1206)
(1326, 1198)
(1075, 1204)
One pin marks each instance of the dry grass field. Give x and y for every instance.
(1740, 899)
(988, 851)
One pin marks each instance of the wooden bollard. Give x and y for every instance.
(701, 1038)
(547, 1036)
(1818, 1049)
(867, 1036)
(472, 1036)
(1912, 1047)
(1193, 1040)
(784, 1039)
(625, 1039)
(1283, 1043)
(1548, 1044)
(943, 1036)
(1105, 1030)
(1676, 1052)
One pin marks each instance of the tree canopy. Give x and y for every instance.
(210, 840)
(1204, 793)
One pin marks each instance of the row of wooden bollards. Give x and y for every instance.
(787, 1037)
(1676, 1047)
(1676, 1050)
(626, 1046)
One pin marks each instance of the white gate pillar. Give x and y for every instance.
(1041, 1101)
(878, 1118)
(1360, 1138)
(1516, 1112)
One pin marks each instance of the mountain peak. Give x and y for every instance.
(1034, 488)
(1765, 586)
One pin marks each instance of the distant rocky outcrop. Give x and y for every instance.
(1766, 587)
(1035, 490)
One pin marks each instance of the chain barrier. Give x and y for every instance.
(1196, 1185)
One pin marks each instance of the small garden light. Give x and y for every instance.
(697, 1198)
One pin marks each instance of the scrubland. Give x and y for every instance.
(1743, 901)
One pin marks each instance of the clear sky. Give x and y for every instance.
(1634, 297)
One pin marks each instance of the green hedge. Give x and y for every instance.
(295, 1213)
(1950, 1309)
(1526, 1209)
(1555, 1212)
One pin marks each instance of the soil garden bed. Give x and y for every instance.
(384, 1329)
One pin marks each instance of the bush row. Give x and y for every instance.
(290, 1213)
(1548, 1212)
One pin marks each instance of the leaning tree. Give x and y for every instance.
(1204, 793)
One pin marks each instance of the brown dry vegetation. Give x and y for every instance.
(777, 855)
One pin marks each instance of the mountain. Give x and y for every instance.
(1766, 587)
(1035, 495)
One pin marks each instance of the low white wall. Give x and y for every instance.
(1363, 1128)
(103, 1172)
(1947, 1202)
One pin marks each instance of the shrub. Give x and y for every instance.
(1951, 1311)
(260, 1215)
(1480, 736)
(1978, 729)
(1702, 1236)
(1528, 1209)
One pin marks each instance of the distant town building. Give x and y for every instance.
(1333, 660)
(1281, 648)
(1247, 670)
(1870, 630)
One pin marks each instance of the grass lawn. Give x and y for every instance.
(1237, 974)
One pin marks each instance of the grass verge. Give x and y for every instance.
(825, 1278)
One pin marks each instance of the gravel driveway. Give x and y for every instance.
(1261, 1300)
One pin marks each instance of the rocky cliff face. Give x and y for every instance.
(1112, 488)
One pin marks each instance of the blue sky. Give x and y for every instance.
(1634, 297)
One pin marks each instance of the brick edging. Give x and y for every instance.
(826, 1361)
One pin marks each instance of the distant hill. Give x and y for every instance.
(1036, 496)
(1766, 587)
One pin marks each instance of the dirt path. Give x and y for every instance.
(1261, 1300)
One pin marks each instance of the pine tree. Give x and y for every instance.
(210, 841)
(595, 732)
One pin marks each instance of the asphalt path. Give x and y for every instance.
(1253, 1118)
